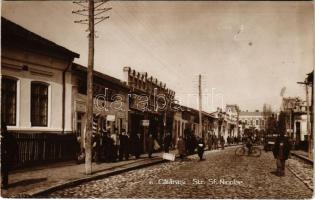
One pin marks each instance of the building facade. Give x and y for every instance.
(35, 82)
(254, 120)
(110, 107)
(150, 104)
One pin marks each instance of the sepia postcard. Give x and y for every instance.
(157, 99)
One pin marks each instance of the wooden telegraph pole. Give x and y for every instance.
(89, 102)
(90, 11)
(200, 108)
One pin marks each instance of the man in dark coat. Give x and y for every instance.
(127, 148)
(210, 141)
(222, 141)
(200, 148)
(121, 146)
(9, 154)
(124, 146)
(281, 153)
(181, 147)
(136, 145)
(150, 145)
(167, 142)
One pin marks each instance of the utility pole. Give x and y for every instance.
(308, 122)
(200, 108)
(89, 11)
(308, 119)
(89, 101)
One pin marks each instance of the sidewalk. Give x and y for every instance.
(33, 182)
(302, 154)
(36, 181)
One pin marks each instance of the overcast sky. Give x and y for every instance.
(246, 51)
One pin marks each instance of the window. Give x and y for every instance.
(256, 122)
(8, 99)
(79, 123)
(39, 104)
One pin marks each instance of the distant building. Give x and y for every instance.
(296, 120)
(252, 119)
(232, 118)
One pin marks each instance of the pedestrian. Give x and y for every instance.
(215, 141)
(115, 139)
(181, 147)
(122, 145)
(222, 141)
(110, 148)
(200, 148)
(281, 153)
(136, 145)
(193, 144)
(150, 145)
(97, 147)
(167, 142)
(210, 141)
(9, 154)
(127, 148)
(105, 146)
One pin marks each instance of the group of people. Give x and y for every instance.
(117, 147)
(214, 142)
(113, 147)
(183, 151)
(233, 140)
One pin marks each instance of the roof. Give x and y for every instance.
(14, 34)
(113, 80)
(248, 113)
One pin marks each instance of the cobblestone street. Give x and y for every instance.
(221, 175)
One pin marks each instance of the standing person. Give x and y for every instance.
(9, 154)
(110, 148)
(167, 142)
(200, 148)
(115, 140)
(222, 141)
(150, 145)
(97, 147)
(106, 144)
(122, 145)
(281, 153)
(136, 145)
(181, 147)
(210, 141)
(127, 148)
(215, 142)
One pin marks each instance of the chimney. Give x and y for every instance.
(126, 71)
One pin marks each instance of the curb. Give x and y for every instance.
(302, 158)
(41, 193)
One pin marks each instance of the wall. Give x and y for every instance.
(40, 68)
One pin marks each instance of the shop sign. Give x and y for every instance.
(110, 118)
(145, 122)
